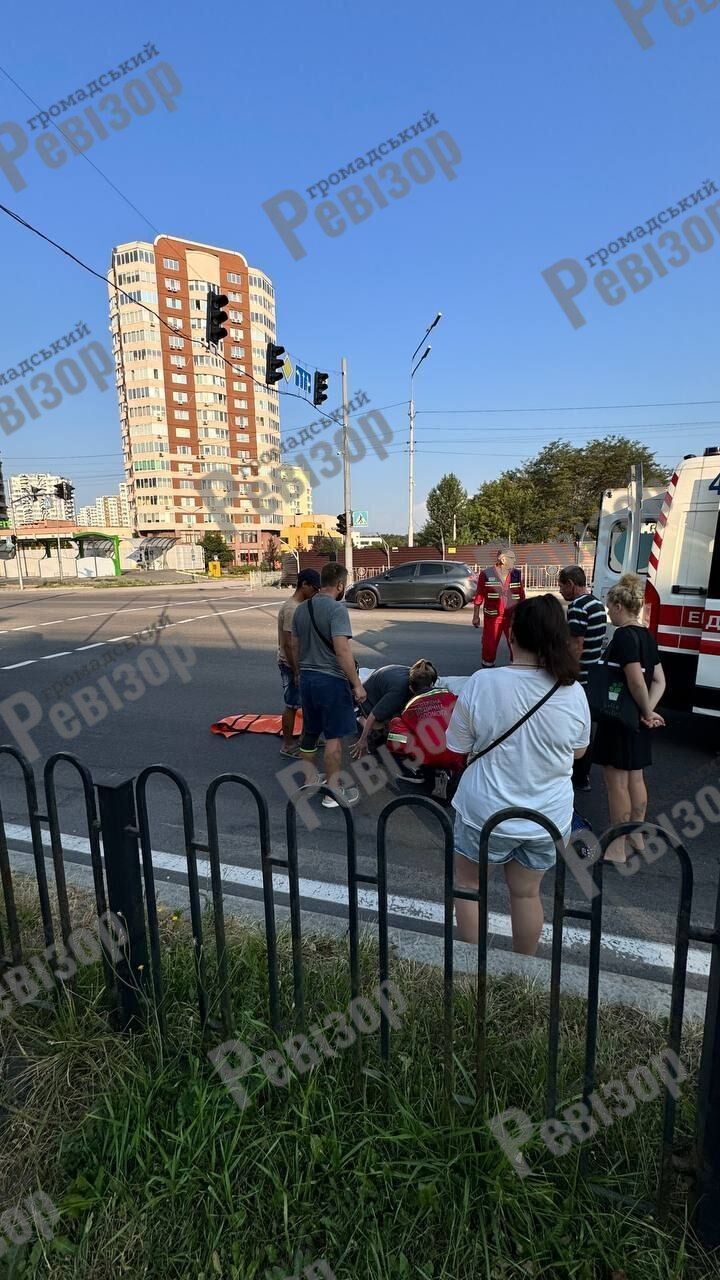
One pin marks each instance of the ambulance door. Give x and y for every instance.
(682, 578)
(706, 699)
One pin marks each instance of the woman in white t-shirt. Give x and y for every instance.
(531, 769)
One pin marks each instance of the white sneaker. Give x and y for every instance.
(350, 795)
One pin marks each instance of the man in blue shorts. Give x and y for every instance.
(328, 677)
(308, 584)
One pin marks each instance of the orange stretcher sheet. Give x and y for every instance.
(249, 722)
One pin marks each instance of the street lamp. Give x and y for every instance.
(411, 413)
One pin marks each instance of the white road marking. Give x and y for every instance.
(658, 955)
(271, 604)
(105, 613)
(47, 656)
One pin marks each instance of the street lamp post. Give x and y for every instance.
(411, 413)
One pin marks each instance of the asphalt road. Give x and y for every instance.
(216, 656)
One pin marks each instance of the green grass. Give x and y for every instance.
(157, 1173)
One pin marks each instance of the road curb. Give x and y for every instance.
(650, 997)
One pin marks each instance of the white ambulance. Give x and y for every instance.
(672, 536)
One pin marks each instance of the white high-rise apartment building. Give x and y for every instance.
(33, 498)
(297, 493)
(201, 439)
(108, 511)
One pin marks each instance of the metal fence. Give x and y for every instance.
(117, 818)
(535, 577)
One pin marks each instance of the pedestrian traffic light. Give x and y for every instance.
(273, 364)
(215, 317)
(341, 525)
(320, 384)
(64, 491)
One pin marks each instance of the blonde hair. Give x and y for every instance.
(629, 593)
(423, 675)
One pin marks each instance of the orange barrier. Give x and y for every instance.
(248, 722)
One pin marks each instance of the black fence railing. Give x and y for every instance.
(118, 822)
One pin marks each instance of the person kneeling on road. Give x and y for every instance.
(321, 635)
(389, 689)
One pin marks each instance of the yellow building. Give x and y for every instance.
(305, 529)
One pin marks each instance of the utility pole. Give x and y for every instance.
(411, 467)
(411, 413)
(21, 584)
(347, 500)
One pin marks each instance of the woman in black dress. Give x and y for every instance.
(622, 752)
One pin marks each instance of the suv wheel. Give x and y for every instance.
(451, 600)
(366, 599)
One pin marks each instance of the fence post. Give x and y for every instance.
(706, 1208)
(125, 896)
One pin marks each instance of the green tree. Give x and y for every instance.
(561, 488)
(393, 539)
(509, 507)
(606, 465)
(213, 544)
(325, 545)
(447, 519)
(272, 553)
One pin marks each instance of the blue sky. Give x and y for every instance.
(570, 134)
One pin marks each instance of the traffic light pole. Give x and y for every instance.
(347, 500)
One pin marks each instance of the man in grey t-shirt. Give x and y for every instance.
(321, 644)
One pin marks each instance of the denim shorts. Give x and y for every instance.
(536, 853)
(291, 691)
(327, 706)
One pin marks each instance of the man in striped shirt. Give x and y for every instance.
(587, 621)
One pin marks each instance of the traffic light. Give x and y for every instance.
(64, 491)
(320, 384)
(215, 317)
(273, 364)
(341, 525)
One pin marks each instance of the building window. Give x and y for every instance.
(181, 415)
(171, 264)
(173, 304)
(180, 378)
(180, 397)
(178, 361)
(233, 278)
(177, 344)
(237, 351)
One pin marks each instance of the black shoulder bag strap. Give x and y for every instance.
(518, 723)
(328, 643)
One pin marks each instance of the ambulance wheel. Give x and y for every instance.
(366, 599)
(451, 600)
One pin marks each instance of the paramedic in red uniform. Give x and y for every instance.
(499, 590)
